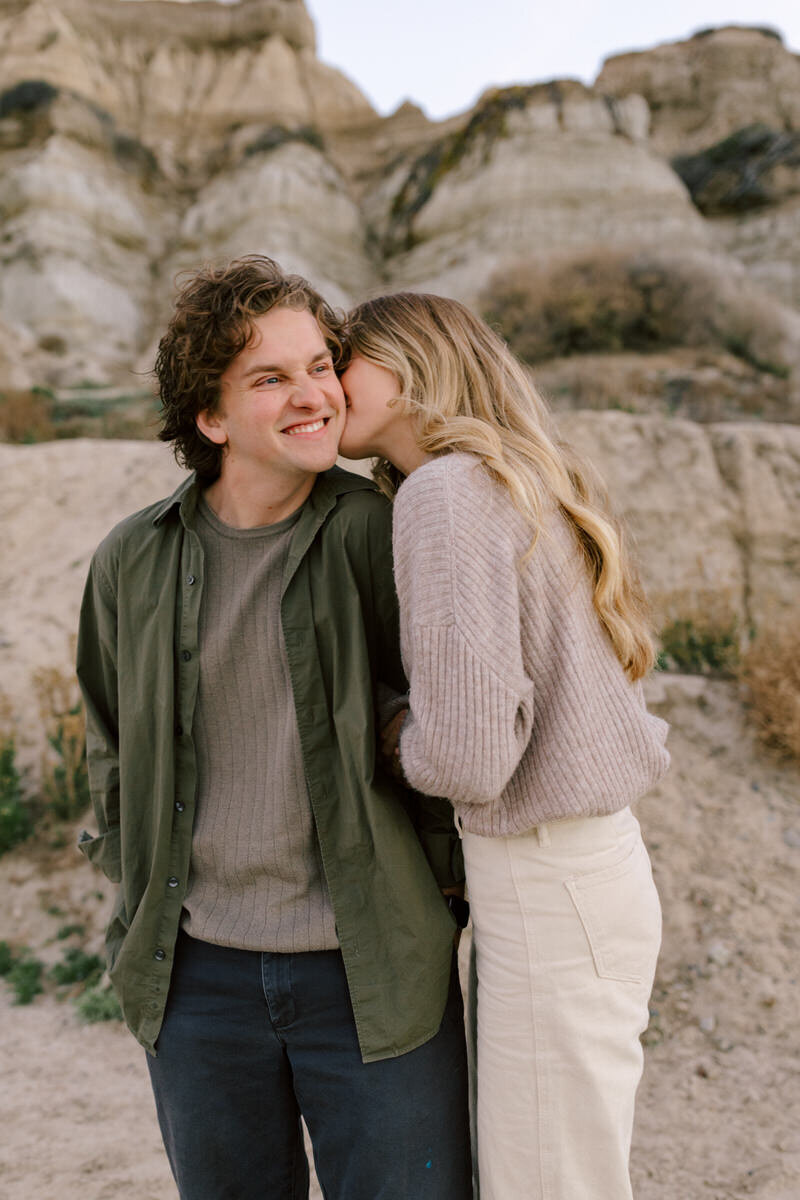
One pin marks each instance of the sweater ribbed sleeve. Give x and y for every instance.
(472, 706)
(520, 712)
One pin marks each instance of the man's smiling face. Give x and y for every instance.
(281, 408)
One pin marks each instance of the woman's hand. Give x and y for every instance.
(390, 744)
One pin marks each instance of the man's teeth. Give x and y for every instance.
(312, 427)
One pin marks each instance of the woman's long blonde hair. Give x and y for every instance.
(468, 392)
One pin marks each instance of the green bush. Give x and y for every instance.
(98, 1004)
(67, 931)
(6, 959)
(695, 648)
(77, 967)
(16, 821)
(25, 979)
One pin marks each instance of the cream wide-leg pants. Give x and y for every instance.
(567, 927)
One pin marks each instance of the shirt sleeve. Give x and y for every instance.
(471, 702)
(97, 674)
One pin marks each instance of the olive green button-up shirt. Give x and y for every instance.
(386, 851)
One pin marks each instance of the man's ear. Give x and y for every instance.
(211, 426)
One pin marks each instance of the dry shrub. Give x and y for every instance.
(26, 416)
(609, 301)
(65, 783)
(771, 670)
(7, 725)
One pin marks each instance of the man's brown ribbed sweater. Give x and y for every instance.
(256, 880)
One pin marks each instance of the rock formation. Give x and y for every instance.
(179, 78)
(135, 140)
(707, 87)
(725, 108)
(138, 139)
(533, 169)
(715, 512)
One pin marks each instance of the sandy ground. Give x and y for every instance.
(719, 1107)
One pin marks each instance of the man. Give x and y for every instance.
(280, 943)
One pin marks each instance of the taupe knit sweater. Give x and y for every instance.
(520, 711)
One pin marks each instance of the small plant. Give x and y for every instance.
(25, 978)
(699, 647)
(68, 930)
(771, 671)
(77, 967)
(16, 821)
(6, 959)
(98, 1004)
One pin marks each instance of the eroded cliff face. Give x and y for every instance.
(715, 511)
(137, 139)
(725, 110)
(553, 167)
(180, 77)
(704, 88)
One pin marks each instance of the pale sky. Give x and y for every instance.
(443, 53)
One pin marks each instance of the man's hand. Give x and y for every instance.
(458, 891)
(390, 744)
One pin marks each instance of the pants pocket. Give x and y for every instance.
(620, 913)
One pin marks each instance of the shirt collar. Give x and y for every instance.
(328, 486)
(183, 499)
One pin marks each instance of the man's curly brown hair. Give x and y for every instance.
(213, 321)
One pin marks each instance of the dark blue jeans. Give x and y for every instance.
(251, 1041)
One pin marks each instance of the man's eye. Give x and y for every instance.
(322, 368)
(268, 381)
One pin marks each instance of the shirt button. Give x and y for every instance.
(160, 955)
(172, 881)
(186, 655)
(179, 806)
(190, 579)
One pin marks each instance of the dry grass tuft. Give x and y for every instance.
(771, 670)
(26, 416)
(65, 784)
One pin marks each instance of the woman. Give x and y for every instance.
(524, 638)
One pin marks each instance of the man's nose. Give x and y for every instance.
(308, 392)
